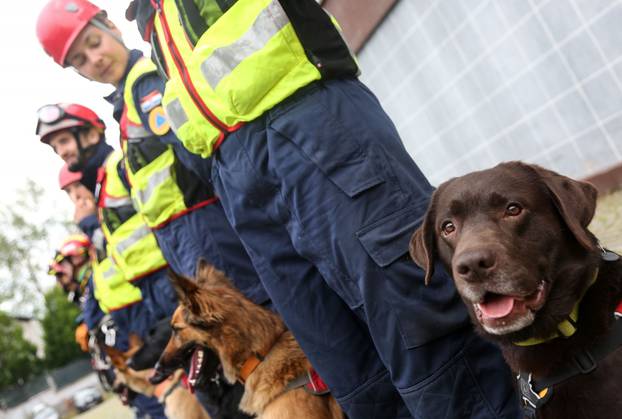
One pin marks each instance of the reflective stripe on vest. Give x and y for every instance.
(134, 131)
(155, 180)
(247, 62)
(112, 290)
(154, 190)
(110, 202)
(224, 60)
(136, 236)
(132, 245)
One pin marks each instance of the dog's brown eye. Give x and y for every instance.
(513, 210)
(448, 227)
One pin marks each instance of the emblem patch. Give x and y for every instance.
(158, 123)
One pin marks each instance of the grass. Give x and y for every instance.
(607, 223)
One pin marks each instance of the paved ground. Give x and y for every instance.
(51, 398)
(607, 223)
(110, 409)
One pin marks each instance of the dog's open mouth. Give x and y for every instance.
(500, 314)
(196, 365)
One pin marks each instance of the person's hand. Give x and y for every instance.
(85, 206)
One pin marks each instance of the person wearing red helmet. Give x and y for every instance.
(120, 307)
(76, 134)
(80, 195)
(70, 265)
(58, 27)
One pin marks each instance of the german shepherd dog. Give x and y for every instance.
(178, 402)
(253, 345)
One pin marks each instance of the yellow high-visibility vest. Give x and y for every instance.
(247, 61)
(131, 243)
(150, 164)
(111, 289)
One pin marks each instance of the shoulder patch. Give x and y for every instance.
(150, 101)
(158, 123)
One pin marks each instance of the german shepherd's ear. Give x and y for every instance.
(207, 274)
(575, 201)
(186, 291)
(423, 242)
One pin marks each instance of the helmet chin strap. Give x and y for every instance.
(84, 153)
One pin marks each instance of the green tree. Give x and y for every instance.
(18, 357)
(25, 246)
(58, 330)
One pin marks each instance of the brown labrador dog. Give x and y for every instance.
(534, 280)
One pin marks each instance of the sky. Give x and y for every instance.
(29, 78)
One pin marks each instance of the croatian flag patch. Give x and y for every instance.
(150, 101)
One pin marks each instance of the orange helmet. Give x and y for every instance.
(59, 116)
(59, 24)
(74, 245)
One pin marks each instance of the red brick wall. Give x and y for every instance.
(358, 18)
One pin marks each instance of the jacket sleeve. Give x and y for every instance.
(89, 224)
(151, 85)
(90, 309)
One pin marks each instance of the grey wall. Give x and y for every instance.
(470, 83)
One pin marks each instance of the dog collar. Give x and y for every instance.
(568, 326)
(253, 361)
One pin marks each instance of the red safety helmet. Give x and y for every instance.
(59, 24)
(74, 245)
(56, 117)
(66, 177)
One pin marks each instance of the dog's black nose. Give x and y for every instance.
(473, 265)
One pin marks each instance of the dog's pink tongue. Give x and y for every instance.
(497, 306)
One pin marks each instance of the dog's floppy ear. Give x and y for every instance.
(186, 291)
(423, 242)
(575, 201)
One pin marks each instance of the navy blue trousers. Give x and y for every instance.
(136, 319)
(148, 407)
(158, 294)
(324, 197)
(205, 232)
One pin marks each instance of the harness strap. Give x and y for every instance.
(311, 382)
(536, 393)
(168, 392)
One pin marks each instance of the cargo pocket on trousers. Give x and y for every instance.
(422, 313)
(387, 239)
(337, 154)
